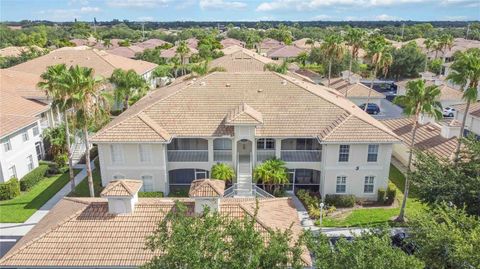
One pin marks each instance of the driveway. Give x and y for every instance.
(389, 111)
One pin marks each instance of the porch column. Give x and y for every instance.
(278, 148)
(210, 151)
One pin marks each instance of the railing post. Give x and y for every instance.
(278, 148)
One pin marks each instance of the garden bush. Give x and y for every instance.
(391, 193)
(340, 200)
(9, 189)
(381, 195)
(32, 178)
(150, 194)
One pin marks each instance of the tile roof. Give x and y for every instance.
(355, 90)
(21, 83)
(244, 114)
(151, 43)
(474, 109)
(428, 137)
(286, 51)
(172, 52)
(13, 51)
(207, 188)
(302, 43)
(447, 93)
(79, 232)
(128, 52)
(227, 42)
(192, 43)
(269, 43)
(102, 62)
(289, 108)
(124, 187)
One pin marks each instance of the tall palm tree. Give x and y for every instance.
(333, 49)
(429, 45)
(310, 42)
(128, 84)
(302, 58)
(54, 84)
(355, 38)
(201, 69)
(182, 51)
(90, 105)
(446, 43)
(465, 71)
(377, 47)
(107, 43)
(418, 100)
(271, 172)
(385, 62)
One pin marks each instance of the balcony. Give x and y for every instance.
(187, 155)
(222, 155)
(301, 155)
(265, 154)
(44, 124)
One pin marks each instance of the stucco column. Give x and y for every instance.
(278, 148)
(210, 151)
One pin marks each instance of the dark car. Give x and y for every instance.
(398, 240)
(371, 109)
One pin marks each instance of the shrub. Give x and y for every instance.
(314, 212)
(9, 189)
(150, 194)
(178, 193)
(32, 178)
(337, 200)
(391, 193)
(381, 195)
(61, 159)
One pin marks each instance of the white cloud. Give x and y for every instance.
(455, 18)
(89, 9)
(221, 4)
(322, 17)
(67, 14)
(302, 5)
(146, 18)
(385, 17)
(461, 3)
(138, 3)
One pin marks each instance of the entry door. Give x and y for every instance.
(39, 149)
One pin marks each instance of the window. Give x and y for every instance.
(25, 136)
(266, 143)
(188, 144)
(7, 145)
(343, 153)
(30, 163)
(145, 152)
(200, 174)
(116, 152)
(12, 171)
(369, 183)
(341, 184)
(118, 177)
(372, 153)
(35, 131)
(222, 144)
(147, 183)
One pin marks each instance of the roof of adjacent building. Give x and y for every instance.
(102, 62)
(270, 43)
(428, 137)
(302, 43)
(124, 187)
(352, 90)
(227, 42)
(289, 108)
(474, 109)
(79, 232)
(127, 52)
(286, 51)
(21, 83)
(172, 52)
(207, 188)
(447, 93)
(151, 43)
(15, 51)
(244, 115)
(192, 43)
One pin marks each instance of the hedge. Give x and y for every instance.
(32, 178)
(150, 194)
(340, 200)
(391, 193)
(9, 189)
(382, 194)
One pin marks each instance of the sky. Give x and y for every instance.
(239, 10)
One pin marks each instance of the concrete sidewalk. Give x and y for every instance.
(20, 229)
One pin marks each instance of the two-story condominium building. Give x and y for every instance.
(174, 136)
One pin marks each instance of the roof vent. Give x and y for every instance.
(260, 90)
(122, 195)
(227, 85)
(284, 82)
(206, 193)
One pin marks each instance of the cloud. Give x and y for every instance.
(322, 17)
(67, 14)
(385, 17)
(146, 18)
(302, 5)
(138, 3)
(221, 4)
(89, 9)
(455, 18)
(461, 3)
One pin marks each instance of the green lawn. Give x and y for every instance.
(82, 189)
(379, 216)
(20, 208)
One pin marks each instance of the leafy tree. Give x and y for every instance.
(26, 55)
(445, 43)
(271, 172)
(182, 51)
(212, 240)
(418, 100)
(366, 251)
(127, 84)
(282, 33)
(124, 43)
(333, 49)
(162, 71)
(282, 69)
(429, 44)
(223, 172)
(465, 71)
(407, 61)
(201, 69)
(435, 66)
(151, 55)
(302, 58)
(377, 48)
(437, 180)
(355, 38)
(446, 237)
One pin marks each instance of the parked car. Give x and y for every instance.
(449, 112)
(398, 240)
(371, 108)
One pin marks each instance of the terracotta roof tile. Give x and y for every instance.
(447, 93)
(474, 109)
(227, 42)
(244, 114)
(207, 188)
(124, 187)
(284, 52)
(352, 90)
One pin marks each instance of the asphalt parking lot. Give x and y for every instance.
(389, 110)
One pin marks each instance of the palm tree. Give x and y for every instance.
(333, 49)
(127, 84)
(201, 69)
(418, 100)
(271, 172)
(385, 63)
(429, 45)
(355, 38)
(446, 43)
(107, 43)
(182, 51)
(377, 47)
(465, 71)
(90, 105)
(54, 84)
(282, 69)
(302, 59)
(310, 42)
(223, 172)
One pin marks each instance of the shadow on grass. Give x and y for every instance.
(49, 192)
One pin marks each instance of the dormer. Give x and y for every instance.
(244, 115)
(207, 193)
(122, 195)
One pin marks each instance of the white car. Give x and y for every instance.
(449, 112)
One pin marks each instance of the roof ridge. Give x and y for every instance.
(337, 126)
(97, 52)
(154, 125)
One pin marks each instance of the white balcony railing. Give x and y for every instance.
(301, 155)
(265, 154)
(187, 155)
(222, 155)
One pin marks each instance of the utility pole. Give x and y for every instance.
(468, 31)
(143, 31)
(95, 25)
(403, 29)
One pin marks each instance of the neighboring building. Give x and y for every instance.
(17, 51)
(127, 52)
(151, 43)
(174, 136)
(172, 52)
(437, 138)
(302, 44)
(111, 232)
(284, 52)
(266, 45)
(102, 62)
(192, 43)
(227, 42)
(349, 86)
(472, 123)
